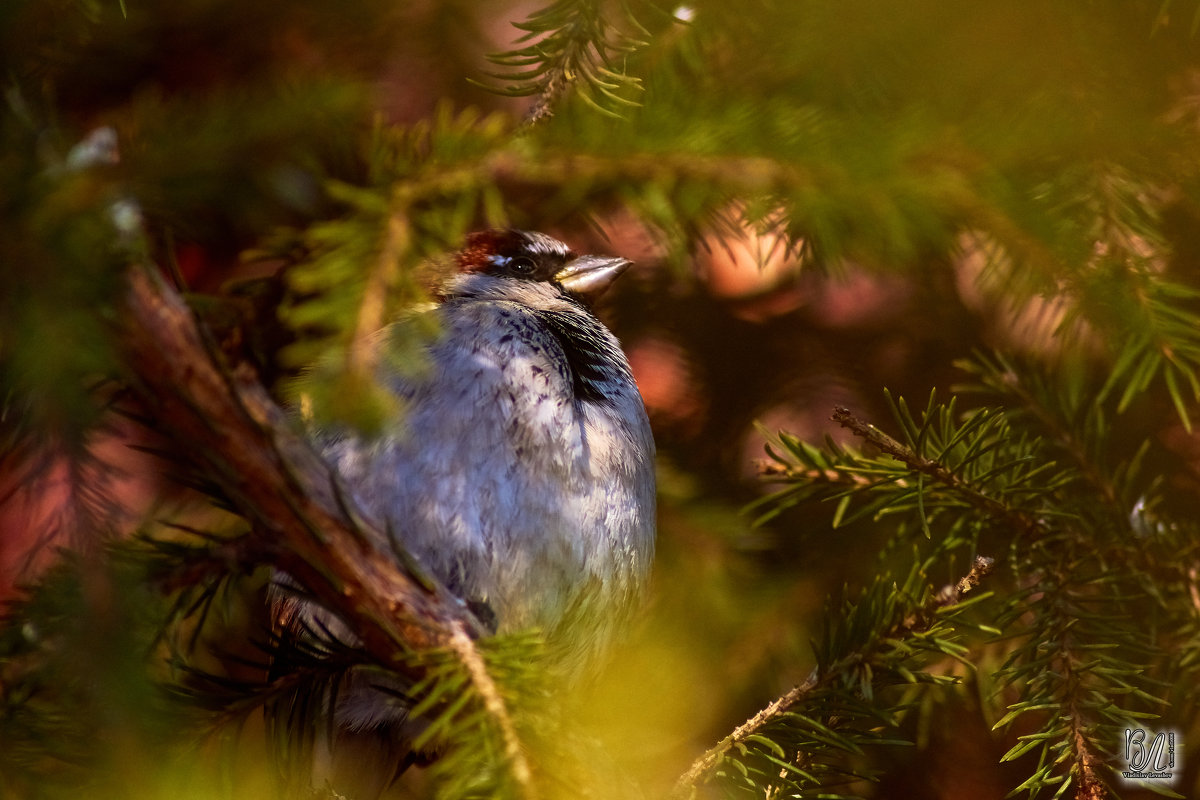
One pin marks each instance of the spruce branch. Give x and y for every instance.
(569, 45)
(990, 506)
(1074, 422)
(1075, 658)
(920, 620)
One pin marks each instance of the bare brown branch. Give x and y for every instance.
(248, 447)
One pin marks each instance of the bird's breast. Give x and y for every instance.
(504, 482)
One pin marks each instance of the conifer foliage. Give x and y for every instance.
(979, 575)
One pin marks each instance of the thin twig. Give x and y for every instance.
(951, 594)
(381, 279)
(543, 107)
(686, 784)
(464, 647)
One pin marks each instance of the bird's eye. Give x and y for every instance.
(521, 266)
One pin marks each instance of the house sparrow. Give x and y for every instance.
(522, 475)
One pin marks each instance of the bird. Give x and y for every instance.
(521, 475)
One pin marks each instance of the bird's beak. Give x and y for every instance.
(589, 276)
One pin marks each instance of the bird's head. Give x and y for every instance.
(527, 265)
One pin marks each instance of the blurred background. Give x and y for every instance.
(909, 143)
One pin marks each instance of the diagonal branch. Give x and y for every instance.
(248, 447)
